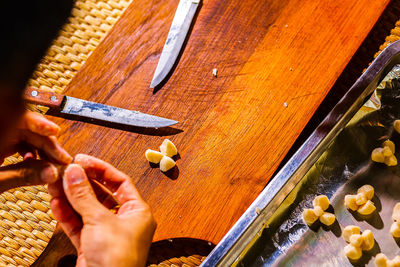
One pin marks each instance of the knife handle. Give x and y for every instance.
(43, 98)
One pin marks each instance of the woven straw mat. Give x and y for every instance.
(26, 223)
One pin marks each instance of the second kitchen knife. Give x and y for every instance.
(91, 110)
(176, 37)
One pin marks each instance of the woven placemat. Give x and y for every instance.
(393, 37)
(26, 223)
(179, 252)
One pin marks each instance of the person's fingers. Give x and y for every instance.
(49, 145)
(81, 196)
(116, 181)
(104, 195)
(38, 124)
(28, 172)
(101, 171)
(69, 220)
(81, 260)
(56, 189)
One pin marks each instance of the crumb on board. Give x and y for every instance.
(258, 210)
(286, 26)
(285, 104)
(215, 72)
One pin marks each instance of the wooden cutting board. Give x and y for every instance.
(276, 61)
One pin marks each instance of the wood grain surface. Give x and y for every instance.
(235, 128)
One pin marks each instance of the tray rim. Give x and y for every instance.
(233, 243)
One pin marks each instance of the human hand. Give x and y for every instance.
(34, 135)
(101, 237)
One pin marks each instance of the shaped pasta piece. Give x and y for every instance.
(321, 201)
(396, 212)
(349, 231)
(385, 154)
(367, 209)
(350, 201)
(367, 190)
(309, 216)
(358, 241)
(390, 145)
(362, 201)
(153, 156)
(352, 252)
(377, 155)
(166, 163)
(396, 126)
(168, 148)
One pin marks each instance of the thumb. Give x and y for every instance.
(80, 194)
(27, 172)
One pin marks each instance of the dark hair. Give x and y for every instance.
(27, 28)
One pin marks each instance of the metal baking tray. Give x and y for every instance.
(333, 161)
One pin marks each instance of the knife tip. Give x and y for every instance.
(164, 123)
(159, 79)
(174, 122)
(153, 85)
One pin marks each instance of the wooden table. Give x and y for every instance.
(276, 61)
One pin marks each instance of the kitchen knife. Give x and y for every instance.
(91, 110)
(176, 37)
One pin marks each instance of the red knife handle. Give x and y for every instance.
(43, 98)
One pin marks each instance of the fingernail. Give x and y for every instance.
(77, 157)
(66, 156)
(28, 155)
(56, 128)
(49, 174)
(74, 174)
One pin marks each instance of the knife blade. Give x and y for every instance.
(91, 110)
(177, 34)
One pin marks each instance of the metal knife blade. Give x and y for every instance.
(176, 37)
(91, 110)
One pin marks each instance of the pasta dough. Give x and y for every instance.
(362, 201)
(396, 126)
(382, 261)
(358, 241)
(395, 227)
(153, 156)
(320, 203)
(164, 157)
(385, 154)
(166, 163)
(168, 148)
